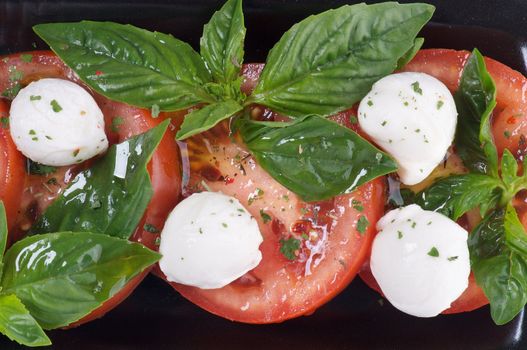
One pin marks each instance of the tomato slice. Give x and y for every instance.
(332, 249)
(122, 122)
(12, 170)
(509, 126)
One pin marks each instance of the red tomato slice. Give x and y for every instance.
(12, 170)
(122, 122)
(332, 250)
(509, 129)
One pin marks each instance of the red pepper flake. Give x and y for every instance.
(511, 120)
(98, 72)
(228, 180)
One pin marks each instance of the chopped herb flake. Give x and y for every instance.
(399, 234)
(55, 106)
(440, 104)
(433, 252)
(384, 123)
(353, 119)
(265, 217)
(25, 57)
(32, 132)
(417, 88)
(289, 247)
(452, 258)
(370, 103)
(224, 224)
(116, 122)
(507, 134)
(5, 122)
(362, 224)
(35, 97)
(150, 228)
(76, 152)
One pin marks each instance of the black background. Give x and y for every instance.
(155, 317)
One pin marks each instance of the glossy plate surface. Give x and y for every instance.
(156, 317)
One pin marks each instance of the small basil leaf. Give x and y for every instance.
(475, 101)
(326, 63)
(222, 42)
(497, 251)
(110, 197)
(129, 64)
(509, 167)
(207, 117)
(315, 158)
(18, 324)
(409, 55)
(453, 196)
(61, 277)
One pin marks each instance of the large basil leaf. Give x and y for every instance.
(453, 196)
(222, 42)
(475, 101)
(206, 118)
(18, 324)
(129, 64)
(410, 54)
(499, 261)
(61, 277)
(110, 197)
(315, 158)
(326, 63)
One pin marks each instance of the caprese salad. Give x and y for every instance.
(259, 191)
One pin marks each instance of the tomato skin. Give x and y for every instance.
(509, 126)
(12, 171)
(164, 167)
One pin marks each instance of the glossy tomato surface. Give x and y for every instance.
(122, 122)
(509, 126)
(332, 248)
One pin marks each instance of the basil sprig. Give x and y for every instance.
(322, 65)
(498, 245)
(111, 196)
(326, 63)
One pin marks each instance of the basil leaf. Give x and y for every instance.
(62, 277)
(315, 158)
(475, 101)
(207, 117)
(326, 63)
(110, 197)
(222, 42)
(18, 324)
(410, 54)
(498, 256)
(39, 169)
(129, 64)
(453, 196)
(509, 167)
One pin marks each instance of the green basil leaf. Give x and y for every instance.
(499, 261)
(110, 197)
(410, 54)
(326, 63)
(475, 101)
(18, 324)
(207, 117)
(222, 42)
(315, 158)
(129, 64)
(453, 196)
(62, 277)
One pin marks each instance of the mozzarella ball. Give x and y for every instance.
(56, 122)
(420, 260)
(208, 241)
(413, 117)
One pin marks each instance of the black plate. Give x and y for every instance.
(156, 317)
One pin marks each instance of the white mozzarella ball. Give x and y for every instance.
(208, 241)
(413, 117)
(420, 260)
(56, 122)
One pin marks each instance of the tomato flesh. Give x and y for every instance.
(331, 252)
(40, 191)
